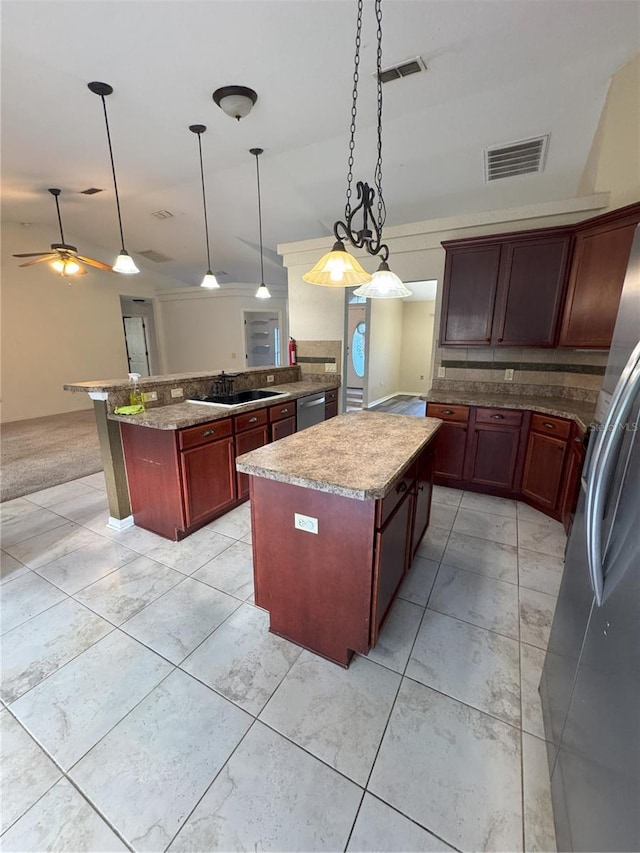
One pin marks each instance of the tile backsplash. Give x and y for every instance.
(314, 355)
(566, 373)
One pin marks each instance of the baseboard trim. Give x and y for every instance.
(120, 523)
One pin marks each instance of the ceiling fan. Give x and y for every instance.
(64, 258)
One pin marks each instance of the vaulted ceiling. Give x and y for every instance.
(497, 71)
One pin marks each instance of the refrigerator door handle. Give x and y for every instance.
(597, 480)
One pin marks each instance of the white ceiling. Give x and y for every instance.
(498, 71)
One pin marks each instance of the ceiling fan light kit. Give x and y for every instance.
(236, 101)
(263, 291)
(209, 282)
(124, 262)
(338, 268)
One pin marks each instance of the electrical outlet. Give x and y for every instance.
(441, 372)
(329, 367)
(270, 378)
(150, 396)
(234, 355)
(305, 522)
(176, 392)
(508, 374)
(421, 377)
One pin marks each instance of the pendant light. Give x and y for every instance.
(338, 268)
(124, 262)
(210, 282)
(263, 291)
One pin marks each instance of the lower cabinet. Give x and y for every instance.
(330, 404)
(246, 441)
(451, 439)
(283, 428)
(571, 487)
(283, 420)
(391, 559)
(207, 480)
(423, 491)
(491, 455)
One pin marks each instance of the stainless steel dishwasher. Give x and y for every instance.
(310, 410)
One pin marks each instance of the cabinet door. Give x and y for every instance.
(543, 467)
(571, 486)
(283, 428)
(469, 295)
(246, 441)
(492, 456)
(390, 563)
(330, 410)
(597, 274)
(208, 480)
(450, 443)
(532, 278)
(422, 506)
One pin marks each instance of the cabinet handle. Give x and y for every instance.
(500, 340)
(487, 339)
(548, 425)
(498, 417)
(208, 432)
(578, 439)
(447, 411)
(284, 411)
(421, 488)
(252, 420)
(402, 487)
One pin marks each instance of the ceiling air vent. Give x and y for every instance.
(162, 214)
(91, 191)
(403, 69)
(515, 158)
(152, 255)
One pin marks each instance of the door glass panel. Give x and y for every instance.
(357, 348)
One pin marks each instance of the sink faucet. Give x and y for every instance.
(223, 385)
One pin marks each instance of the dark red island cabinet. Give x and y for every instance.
(331, 591)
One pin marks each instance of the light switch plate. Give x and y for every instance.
(270, 378)
(176, 392)
(508, 374)
(329, 367)
(441, 372)
(305, 522)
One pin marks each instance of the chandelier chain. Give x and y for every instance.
(382, 213)
(354, 105)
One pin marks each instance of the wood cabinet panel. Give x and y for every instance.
(203, 433)
(549, 425)
(469, 295)
(330, 410)
(250, 420)
(543, 469)
(246, 441)
(492, 456)
(532, 279)
(422, 506)
(282, 411)
(281, 429)
(450, 445)
(208, 480)
(499, 417)
(570, 489)
(595, 284)
(448, 413)
(391, 562)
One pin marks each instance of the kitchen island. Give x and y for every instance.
(337, 514)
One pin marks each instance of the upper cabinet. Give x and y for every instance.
(600, 259)
(504, 291)
(544, 288)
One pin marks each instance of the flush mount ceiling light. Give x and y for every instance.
(236, 101)
(338, 268)
(209, 281)
(263, 291)
(63, 257)
(124, 262)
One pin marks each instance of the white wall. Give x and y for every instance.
(203, 330)
(417, 345)
(385, 347)
(56, 330)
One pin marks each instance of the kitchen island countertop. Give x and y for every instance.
(357, 455)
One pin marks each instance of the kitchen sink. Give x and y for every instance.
(237, 399)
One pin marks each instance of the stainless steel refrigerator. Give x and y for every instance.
(590, 687)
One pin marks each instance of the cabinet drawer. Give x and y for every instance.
(550, 426)
(250, 420)
(448, 413)
(504, 417)
(284, 410)
(385, 507)
(331, 396)
(212, 431)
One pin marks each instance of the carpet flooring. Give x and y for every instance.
(42, 452)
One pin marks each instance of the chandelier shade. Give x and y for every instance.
(337, 269)
(384, 284)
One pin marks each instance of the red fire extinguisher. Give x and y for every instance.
(292, 351)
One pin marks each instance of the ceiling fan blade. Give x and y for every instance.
(38, 260)
(93, 263)
(32, 254)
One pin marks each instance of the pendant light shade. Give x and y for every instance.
(263, 291)
(384, 284)
(209, 282)
(337, 269)
(124, 262)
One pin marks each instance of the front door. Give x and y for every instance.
(135, 336)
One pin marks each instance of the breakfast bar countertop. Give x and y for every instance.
(357, 455)
(580, 411)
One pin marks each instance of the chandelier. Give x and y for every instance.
(338, 268)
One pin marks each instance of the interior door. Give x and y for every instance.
(357, 330)
(135, 336)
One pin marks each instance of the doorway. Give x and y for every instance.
(139, 335)
(262, 338)
(356, 351)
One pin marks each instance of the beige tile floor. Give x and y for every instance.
(145, 705)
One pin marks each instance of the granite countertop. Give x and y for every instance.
(163, 379)
(577, 410)
(357, 455)
(180, 415)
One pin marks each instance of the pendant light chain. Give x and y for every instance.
(354, 110)
(113, 170)
(260, 218)
(382, 213)
(204, 203)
